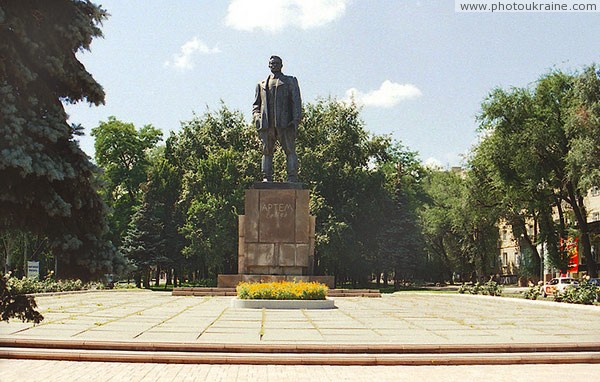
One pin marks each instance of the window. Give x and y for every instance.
(504, 259)
(595, 191)
(595, 216)
(530, 230)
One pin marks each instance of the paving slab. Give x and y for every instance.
(50, 371)
(399, 318)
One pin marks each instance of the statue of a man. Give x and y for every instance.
(277, 111)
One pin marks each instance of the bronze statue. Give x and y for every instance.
(277, 111)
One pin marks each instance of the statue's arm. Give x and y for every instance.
(297, 103)
(257, 103)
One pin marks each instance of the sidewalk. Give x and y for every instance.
(61, 371)
(402, 318)
(401, 321)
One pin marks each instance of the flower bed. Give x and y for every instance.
(284, 290)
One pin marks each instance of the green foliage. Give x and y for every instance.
(120, 285)
(490, 288)
(144, 243)
(196, 188)
(584, 293)
(533, 292)
(539, 152)
(528, 266)
(400, 239)
(200, 283)
(460, 235)
(359, 183)
(583, 159)
(16, 305)
(48, 183)
(217, 158)
(123, 152)
(29, 286)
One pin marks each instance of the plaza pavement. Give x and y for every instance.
(401, 318)
(444, 323)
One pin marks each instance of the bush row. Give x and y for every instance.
(585, 293)
(490, 288)
(28, 286)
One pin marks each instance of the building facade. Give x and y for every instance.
(510, 251)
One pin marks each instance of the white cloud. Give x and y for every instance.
(183, 59)
(389, 94)
(275, 15)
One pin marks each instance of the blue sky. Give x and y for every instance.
(419, 69)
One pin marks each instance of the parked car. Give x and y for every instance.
(594, 282)
(558, 284)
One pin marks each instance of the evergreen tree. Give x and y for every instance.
(144, 243)
(48, 185)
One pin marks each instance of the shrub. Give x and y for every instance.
(13, 305)
(282, 291)
(533, 292)
(490, 288)
(125, 286)
(585, 293)
(30, 286)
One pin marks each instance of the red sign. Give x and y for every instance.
(571, 246)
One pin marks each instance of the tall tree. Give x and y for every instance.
(144, 243)
(338, 161)
(535, 146)
(400, 239)
(583, 159)
(460, 235)
(123, 153)
(48, 185)
(215, 155)
(163, 191)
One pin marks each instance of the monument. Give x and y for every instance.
(276, 239)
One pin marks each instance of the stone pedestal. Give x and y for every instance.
(276, 236)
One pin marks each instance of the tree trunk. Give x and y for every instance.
(578, 206)
(586, 247)
(147, 279)
(530, 244)
(169, 277)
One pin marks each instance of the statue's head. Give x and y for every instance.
(275, 64)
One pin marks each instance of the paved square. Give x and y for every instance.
(398, 319)
(401, 318)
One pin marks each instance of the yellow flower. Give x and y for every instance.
(284, 290)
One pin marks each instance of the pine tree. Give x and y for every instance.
(144, 243)
(47, 182)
